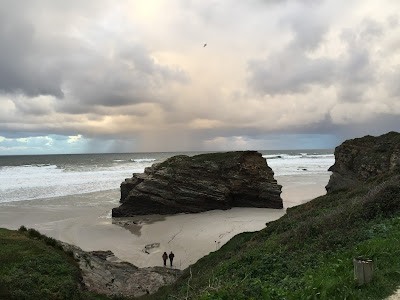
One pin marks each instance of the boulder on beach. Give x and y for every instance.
(191, 184)
(360, 159)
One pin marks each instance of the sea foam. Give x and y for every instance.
(287, 164)
(143, 159)
(30, 182)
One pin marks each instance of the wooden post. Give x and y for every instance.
(363, 270)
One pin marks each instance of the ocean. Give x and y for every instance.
(70, 198)
(30, 177)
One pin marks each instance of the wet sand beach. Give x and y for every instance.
(85, 220)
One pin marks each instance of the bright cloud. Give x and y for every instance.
(74, 139)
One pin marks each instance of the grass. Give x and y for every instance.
(33, 266)
(216, 157)
(308, 253)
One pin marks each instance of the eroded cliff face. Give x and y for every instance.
(184, 184)
(363, 158)
(104, 273)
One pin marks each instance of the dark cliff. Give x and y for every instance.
(363, 158)
(184, 184)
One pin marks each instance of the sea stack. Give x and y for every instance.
(191, 184)
(364, 158)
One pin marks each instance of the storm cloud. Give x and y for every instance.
(134, 76)
(81, 59)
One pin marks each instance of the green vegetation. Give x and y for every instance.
(172, 161)
(372, 152)
(201, 158)
(33, 266)
(308, 253)
(217, 156)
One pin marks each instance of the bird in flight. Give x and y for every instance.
(204, 45)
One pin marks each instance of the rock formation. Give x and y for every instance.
(104, 273)
(184, 184)
(363, 158)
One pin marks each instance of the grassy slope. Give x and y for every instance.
(33, 266)
(308, 253)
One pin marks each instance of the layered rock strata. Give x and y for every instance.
(363, 158)
(191, 184)
(103, 273)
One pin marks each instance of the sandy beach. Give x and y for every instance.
(85, 220)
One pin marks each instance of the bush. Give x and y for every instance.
(69, 253)
(22, 229)
(50, 241)
(33, 233)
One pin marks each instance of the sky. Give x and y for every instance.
(136, 76)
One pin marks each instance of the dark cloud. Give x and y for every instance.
(83, 71)
(333, 133)
(371, 29)
(36, 106)
(376, 125)
(307, 24)
(392, 84)
(23, 68)
(128, 77)
(354, 75)
(289, 72)
(293, 70)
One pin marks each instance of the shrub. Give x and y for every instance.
(22, 228)
(33, 233)
(50, 241)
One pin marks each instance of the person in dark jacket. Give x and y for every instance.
(171, 257)
(165, 257)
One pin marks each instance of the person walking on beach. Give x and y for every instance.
(171, 257)
(165, 257)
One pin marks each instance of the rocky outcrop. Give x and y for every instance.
(184, 184)
(104, 273)
(363, 158)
